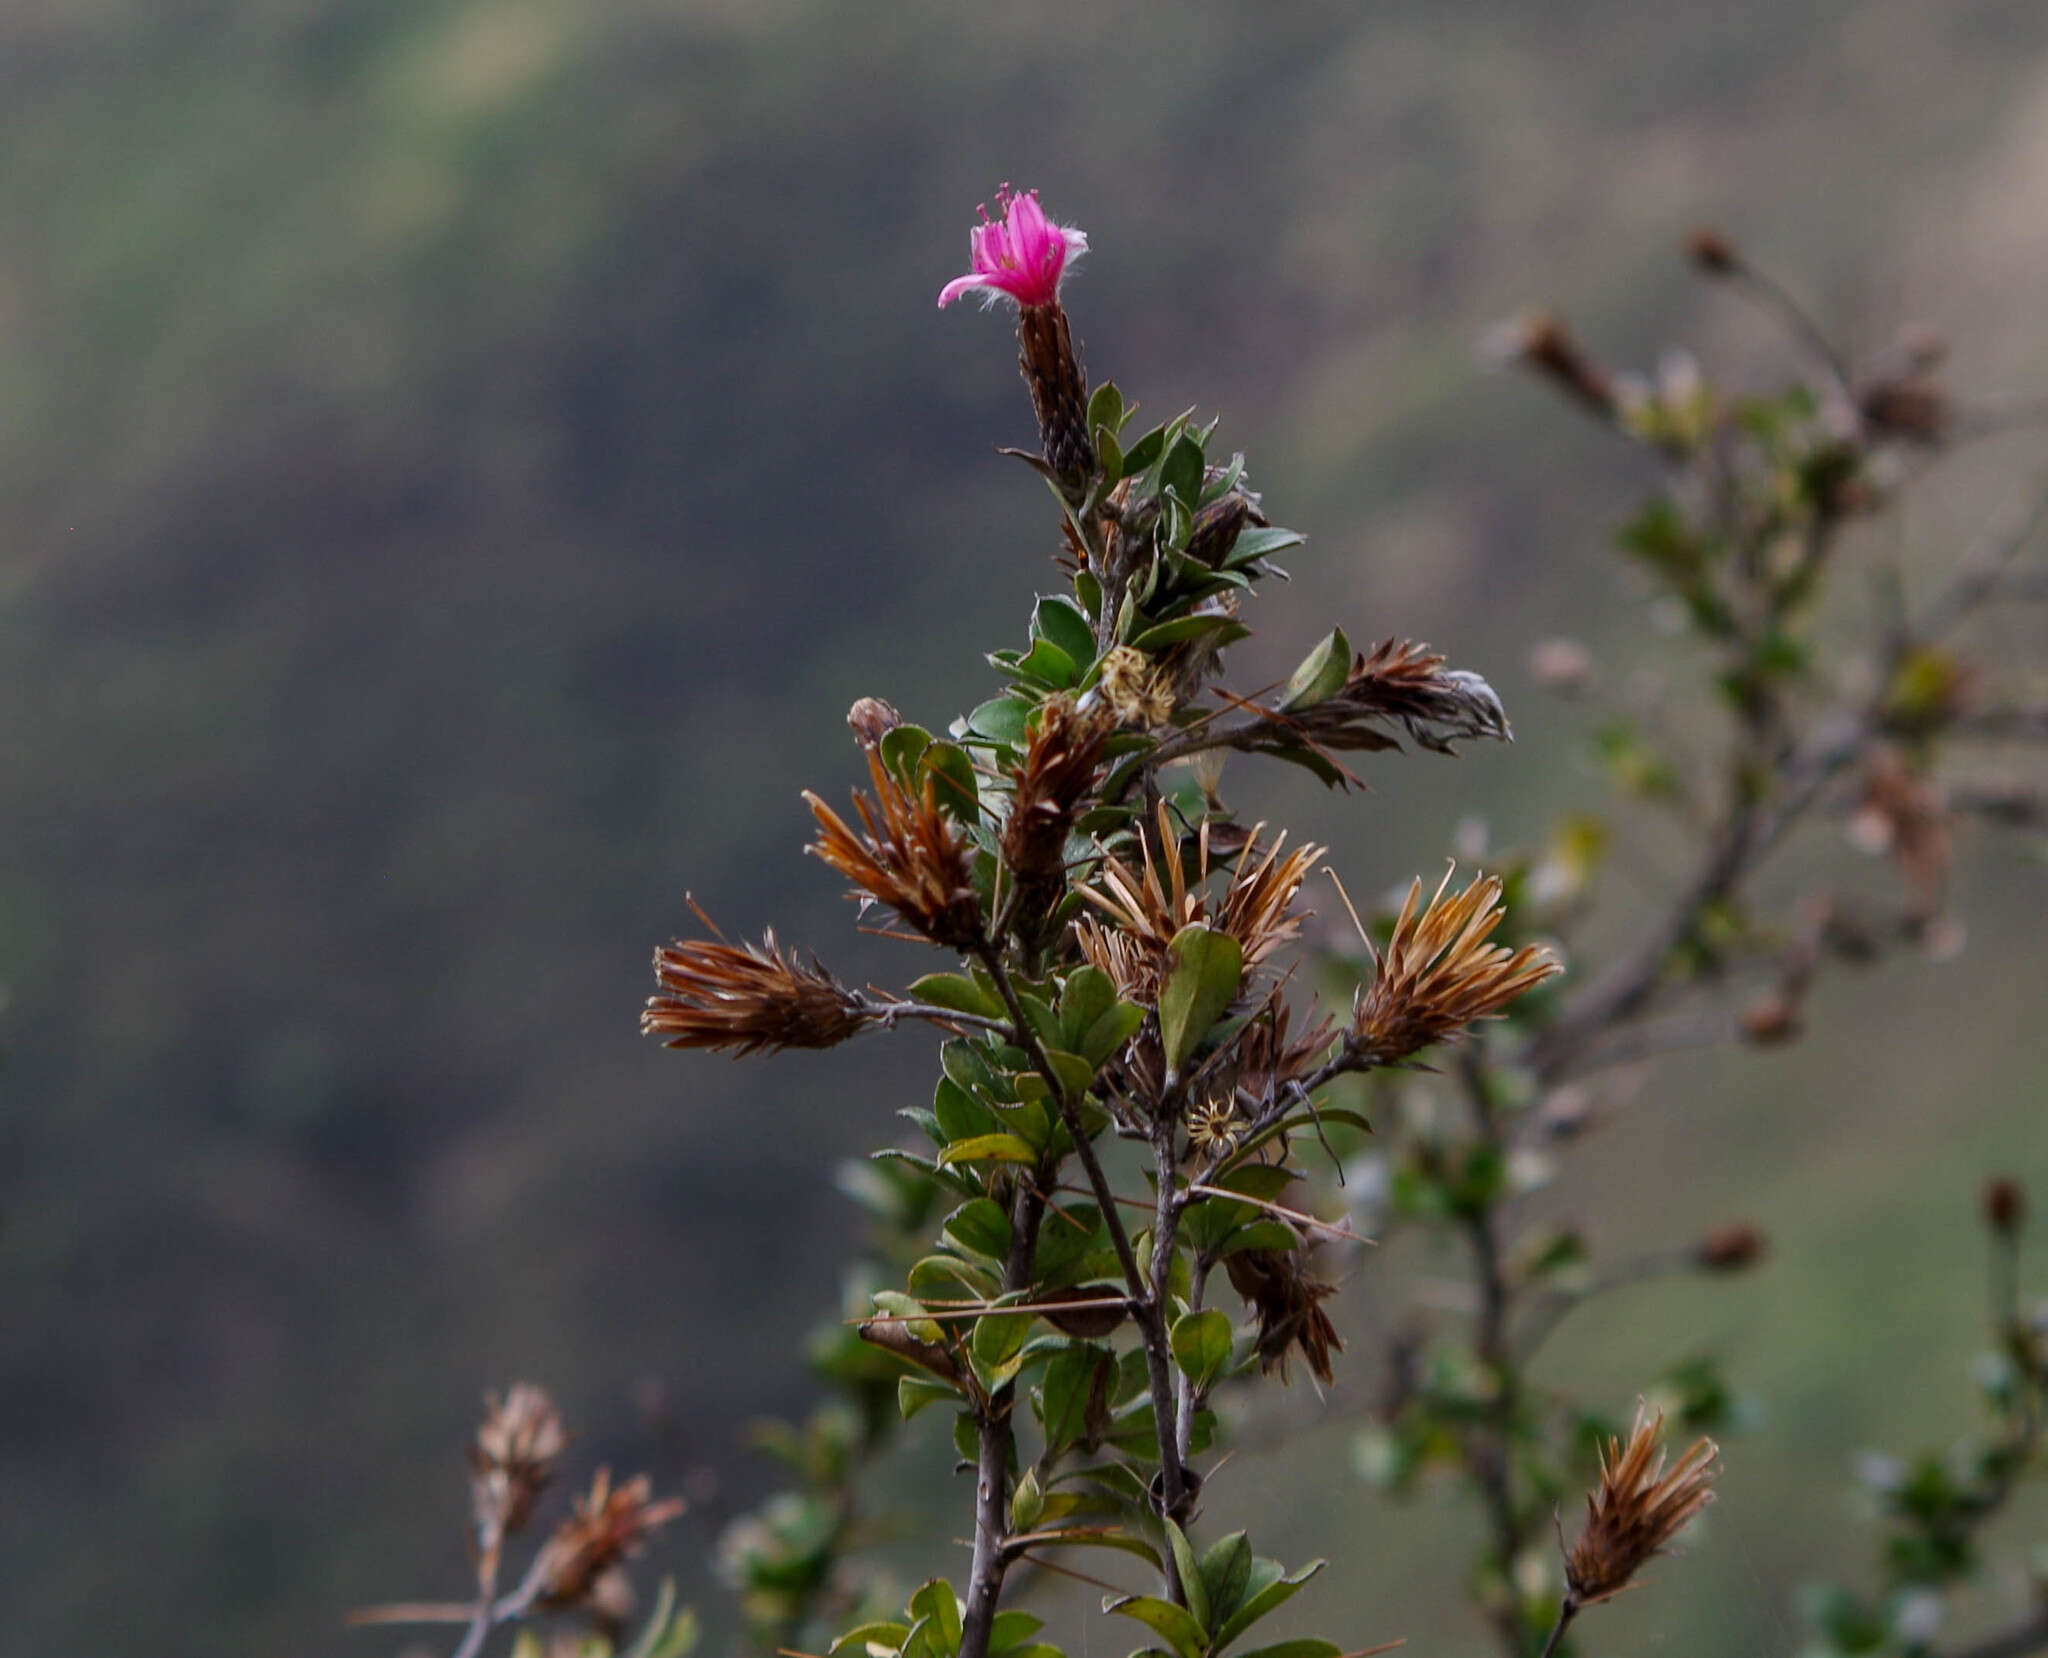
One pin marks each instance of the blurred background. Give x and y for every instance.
(458, 461)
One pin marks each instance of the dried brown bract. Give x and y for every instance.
(1400, 682)
(1146, 908)
(1637, 1508)
(1056, 776)
(1277, 1285)
(608, 1527)
(1438, 973)
(747, 997)
(906, 853)
(513, 1457)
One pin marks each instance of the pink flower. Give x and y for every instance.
(1021, 256)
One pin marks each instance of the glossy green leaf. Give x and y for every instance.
(1193, 1590)
(913, 1393)
(1111, 1032)
(989, 1148)
(1308, 1646)
(1182, 470)
(957, 993)
(981, 1228)
(856, 1639)
(1001, 719)
(1266, 1592)
(1321, 675)
(955, 787)
(1222, 629)
(1203, 971)
(1201, 1346)
(935, 1600)
(1085, 997)
(1106, 407)
(998, 1338)
(1175, 1624)
(1226, 1568)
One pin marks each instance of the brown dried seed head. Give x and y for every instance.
(1542, 342)
(746, 997)
(1438, 974)
(1712, 252)
(607, 1528)
(1056, 775)
(1135, 689)
(1637, 1508)
(2005, 1205)
(513, 1456)
(1731, 1248)
(906, 853)
(1277, 1285)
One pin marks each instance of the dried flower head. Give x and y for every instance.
(1214, 1126)
(1542, 342)
(1735, 1247)
(907, 854)
(2005, 1205)
(1903, 813)
(1637, 1508)
(1712, 252)
(1402, 683)
(1277, 1285)
(1439, 974)
(1055, 776)
(608, 1527)
(747, 997)
(1136, 691)
(513, 1457)
(1145, 908)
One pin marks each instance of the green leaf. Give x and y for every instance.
(1106, 407)
(1201, 1346)
(1072, 1072)
(856, 1639)
(998, 1338)
(1308, 1646)
(1111, 1032)
(902, 747)
(1001, 719)
(954, 785)
(1145, 451)
(1190, 1575)
(913, 1393)
(935, 1600)
(1176, 1624)
(959, 1115)
(1256, 544)
(981, 1228)
(1226, 1568)
(1322, 673)
(1182, 470)
(1064, 1396)
(957, 994)
(1109, 456)
(1181, 628)
(1011, 1627)
(1100, 1537)
(667, 1632)
(1059, 620)
(1274, 1591)
(1203, 970)
(1085, 997)
(1047, 662)
(989, 1148)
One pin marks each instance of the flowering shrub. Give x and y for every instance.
(1114, 1220)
